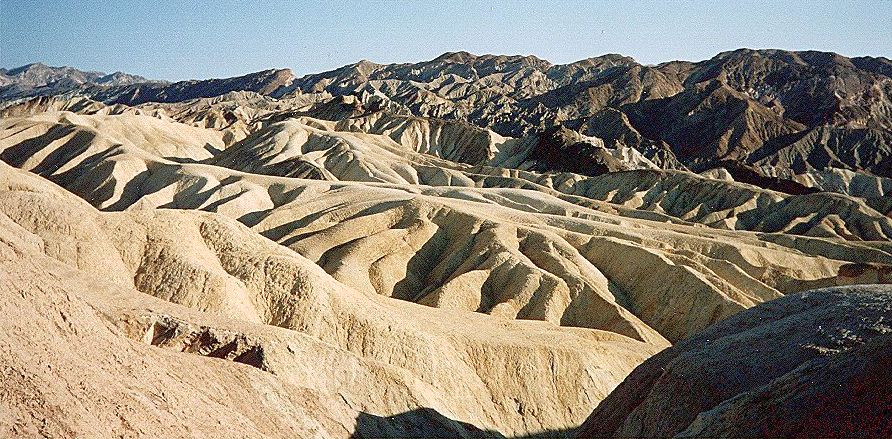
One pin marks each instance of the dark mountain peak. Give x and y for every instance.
(818, 59)
(594, 64)
(607, 58)
(490, 61)
(512, 58)
(360, 68)
(878, 65)
(41, 69)
(268, 76)
(271, 72)
(746, 69)
(804, 58)
(121, 78)
(26, 68)
(746, 52)
(132, 92)
(746, 55)
(363, 67)
(460, 57)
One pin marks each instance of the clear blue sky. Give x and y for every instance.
(175, 40)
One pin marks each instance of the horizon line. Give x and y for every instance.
(765, 49)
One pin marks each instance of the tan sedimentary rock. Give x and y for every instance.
(321, 345)
(508, 251)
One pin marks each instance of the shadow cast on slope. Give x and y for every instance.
(428, 423)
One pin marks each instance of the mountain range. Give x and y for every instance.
(776, 118)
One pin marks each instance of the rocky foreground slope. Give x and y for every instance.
(471, 246)
(813, 364)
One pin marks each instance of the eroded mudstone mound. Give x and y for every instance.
(139, 323)
(814, 364)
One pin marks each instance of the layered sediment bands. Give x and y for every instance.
(312, 149)
(722, 204)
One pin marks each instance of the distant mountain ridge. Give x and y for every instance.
(39, 74)
(38, 79)
(765, 115)
(266, 82)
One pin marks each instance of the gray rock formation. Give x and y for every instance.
(812, 364)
